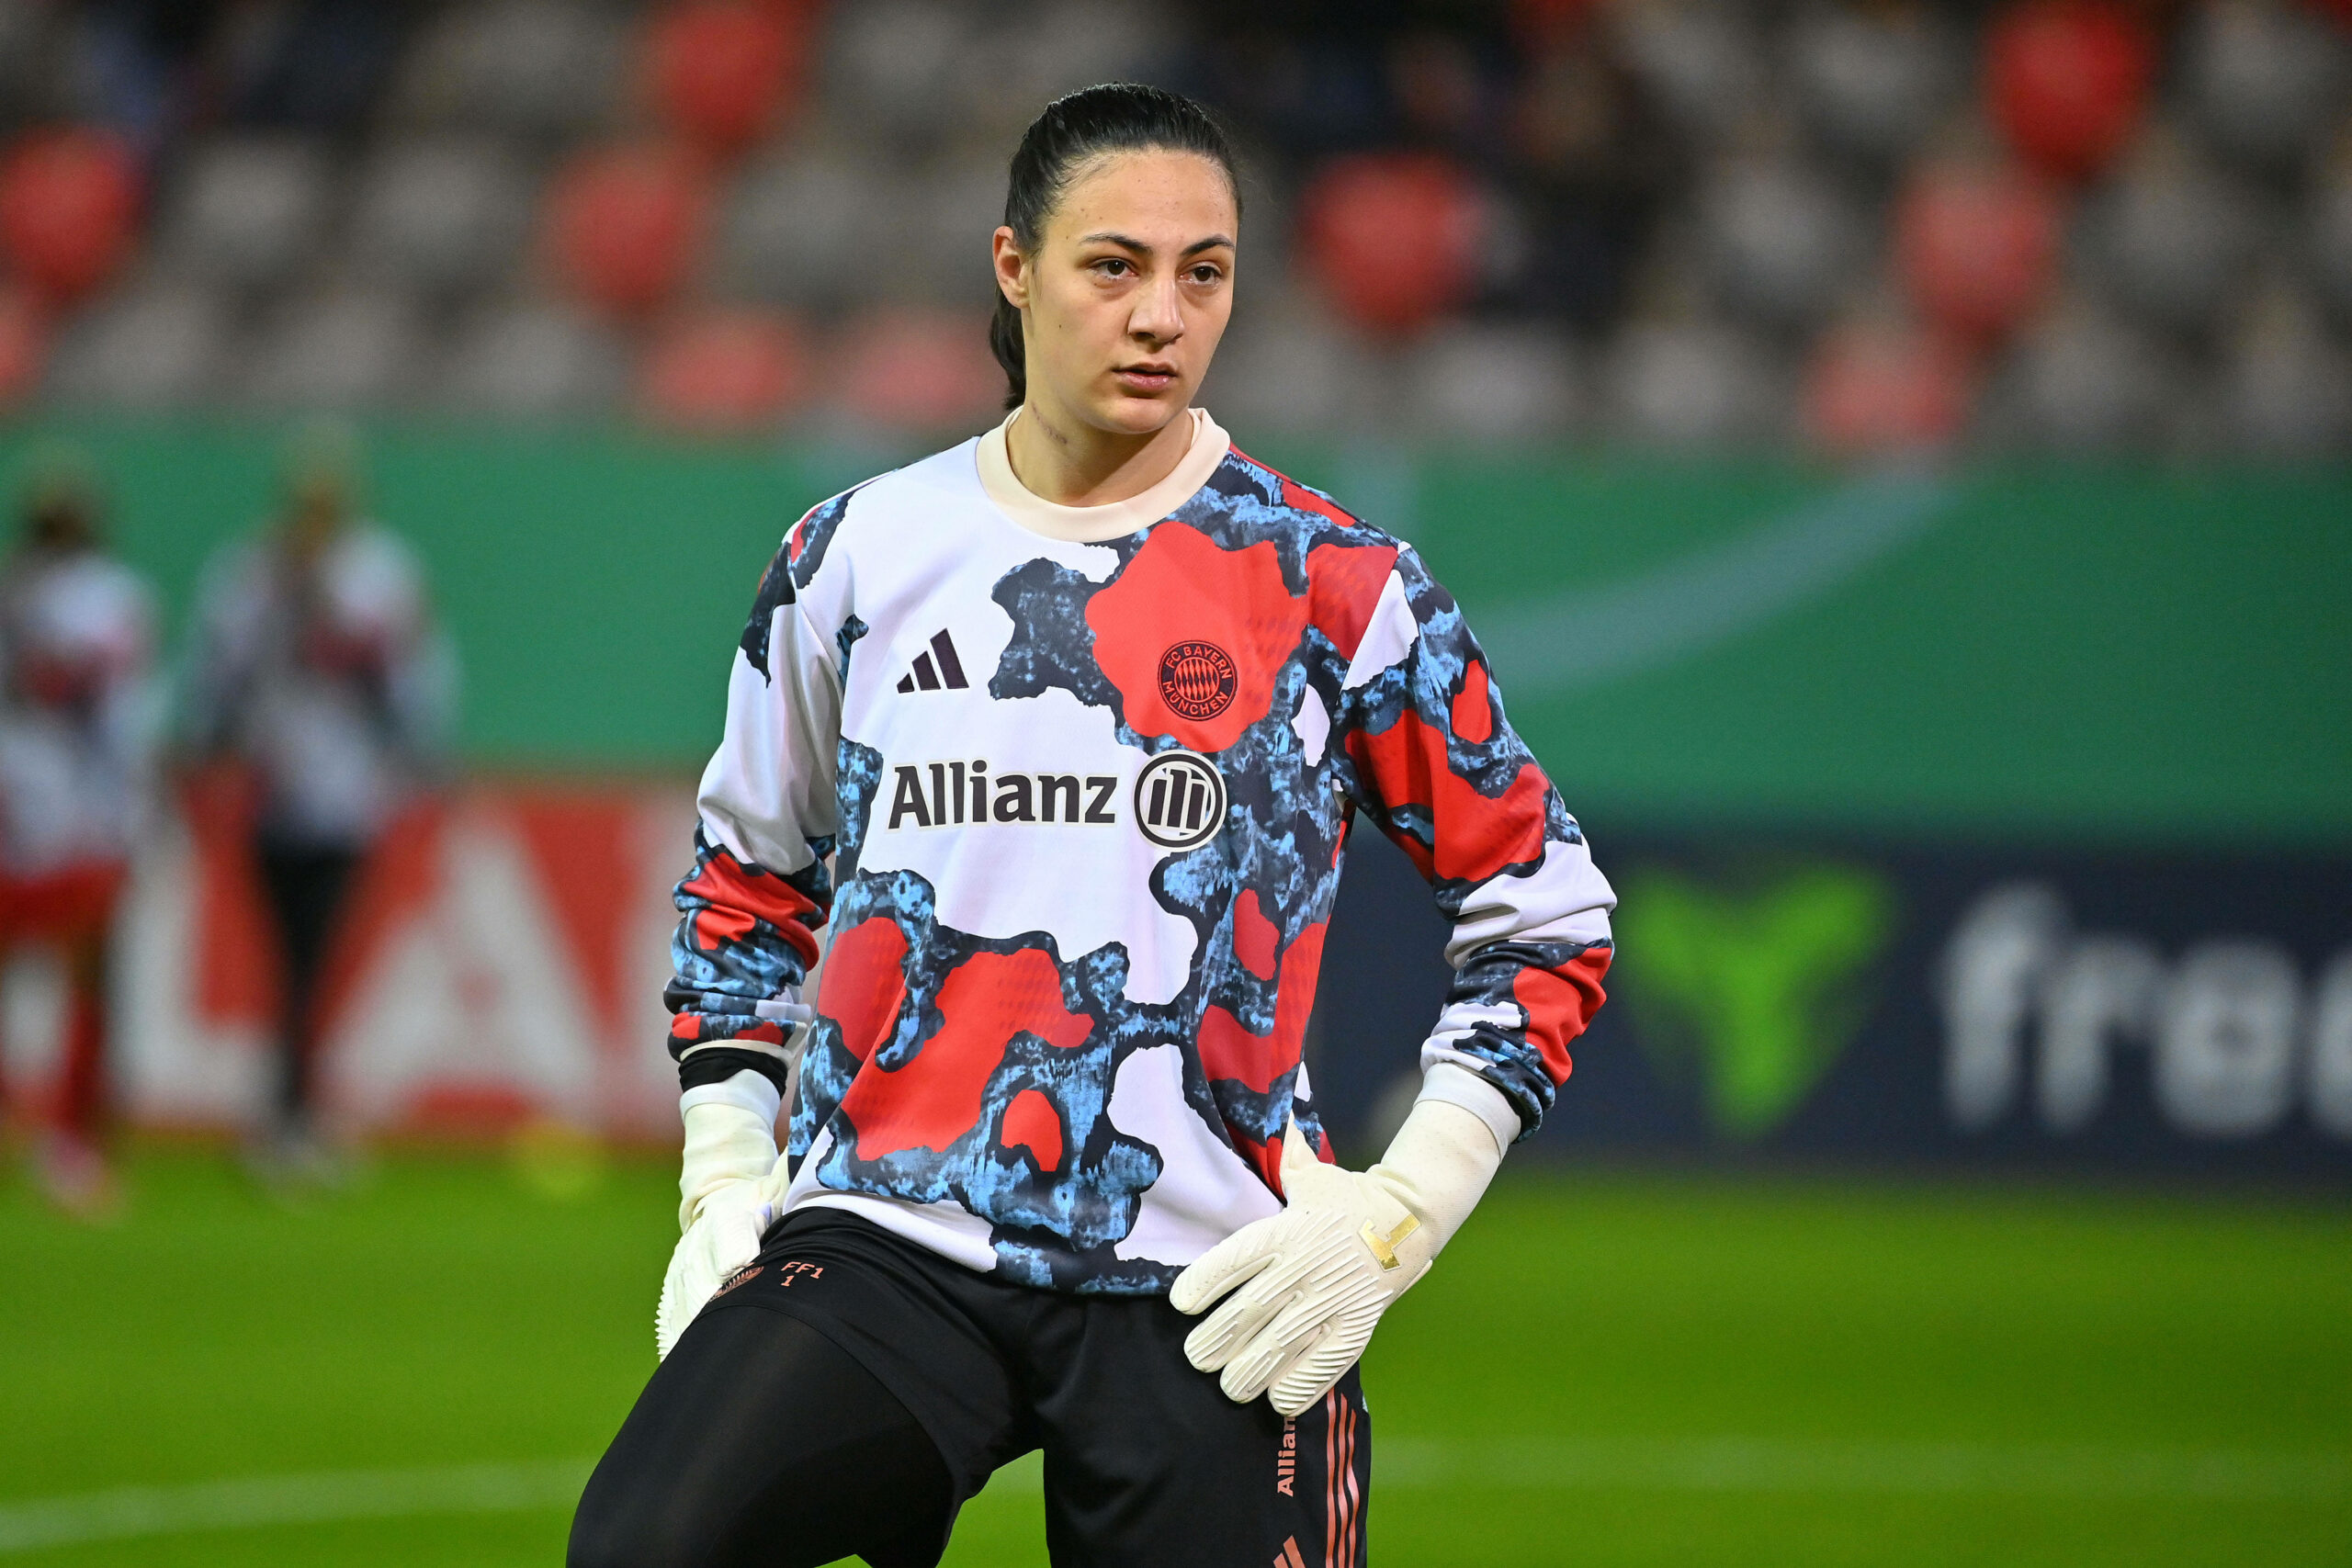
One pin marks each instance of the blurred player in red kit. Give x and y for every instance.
(1060, 731)
(318, 668)
(76, 746)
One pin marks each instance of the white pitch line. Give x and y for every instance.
(1719, 1465)
(133, 1511)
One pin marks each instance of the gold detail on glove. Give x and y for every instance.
(1384, 1248)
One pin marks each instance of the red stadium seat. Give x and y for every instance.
(626, 224)
(1393, 238)
(69, 210)
(731, 371)
(1883, 387)
(2067, 81)
(921, 370)
(1977, 246)
(720, 73)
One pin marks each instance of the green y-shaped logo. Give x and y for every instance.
(1757, 985)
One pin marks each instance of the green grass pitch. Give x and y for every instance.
(1605, 1370)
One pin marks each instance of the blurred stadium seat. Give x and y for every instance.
(349, 350)
(914, 369)
(737, 370)
(1394, 239)
(2174, 236)
(1875, 84)
(165, 346)
(249, 211)
(1691, 384)
(441, 214)
(722, 71)
(1784, 240)
(799, 229)
(625, 225)
(535, 360)
(1977, 245)
(69, 204)
(2067, 81)
(531, 67)
(2085, 380)
(2264, 80)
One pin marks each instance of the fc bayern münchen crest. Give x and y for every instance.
(1196, 680)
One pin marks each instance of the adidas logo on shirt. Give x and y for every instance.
(927, 677)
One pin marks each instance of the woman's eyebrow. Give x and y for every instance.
(1107, 237)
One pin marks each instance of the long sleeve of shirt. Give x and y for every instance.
(1438, 767)
(760, 889)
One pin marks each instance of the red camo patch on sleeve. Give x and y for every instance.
(1560, 1002)
(1473, 713)
(1344, 585)
(1477, 835)
(738, 895)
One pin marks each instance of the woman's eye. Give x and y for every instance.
(1206, 275)
(1112, 267)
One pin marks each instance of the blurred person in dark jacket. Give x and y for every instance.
(318, 668)
(76, 749)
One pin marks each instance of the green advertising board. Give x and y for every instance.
(2141, 654)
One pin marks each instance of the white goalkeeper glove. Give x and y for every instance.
(1315, 1278)
(730, 1186)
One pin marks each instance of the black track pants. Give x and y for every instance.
(758, 1443)
(849, 1389)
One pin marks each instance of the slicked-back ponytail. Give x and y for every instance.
(1118, 116)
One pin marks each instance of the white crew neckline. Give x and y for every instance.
(1113, 520)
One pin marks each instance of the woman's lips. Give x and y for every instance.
(1139, 378)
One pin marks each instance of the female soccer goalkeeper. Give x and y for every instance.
(1077, 714)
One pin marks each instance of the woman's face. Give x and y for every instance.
(1129, 289)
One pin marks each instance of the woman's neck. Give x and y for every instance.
(1074, 463)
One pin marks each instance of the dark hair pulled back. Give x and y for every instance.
(1118, 116)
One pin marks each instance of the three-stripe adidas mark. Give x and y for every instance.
(948, 671)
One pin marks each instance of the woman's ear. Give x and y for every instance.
(1011, 268)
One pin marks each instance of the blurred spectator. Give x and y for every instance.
(76, 742)
(316, 665)
(1594, 162)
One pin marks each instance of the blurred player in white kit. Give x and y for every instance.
(318, 667)
(77, 736)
